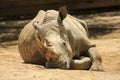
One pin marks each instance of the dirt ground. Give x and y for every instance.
(12, 66)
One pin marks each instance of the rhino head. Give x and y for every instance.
(53, 37)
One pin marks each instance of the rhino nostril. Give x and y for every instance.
(65, 63)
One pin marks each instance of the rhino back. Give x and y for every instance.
(77, 35)
(28, 45)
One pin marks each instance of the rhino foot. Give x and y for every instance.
(96, 67)
(84, 63)
(96, 59)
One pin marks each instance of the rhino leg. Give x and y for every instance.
(84, 63)
(96, 59)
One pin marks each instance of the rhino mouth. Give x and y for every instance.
(60, 65)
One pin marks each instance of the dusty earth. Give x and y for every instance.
(12, 66)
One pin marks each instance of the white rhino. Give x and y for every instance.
(56, 39)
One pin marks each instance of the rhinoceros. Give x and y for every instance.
(56, 39)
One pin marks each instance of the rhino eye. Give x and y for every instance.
(49, 45)
(64, 44)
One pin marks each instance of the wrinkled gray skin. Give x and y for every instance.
(65, 41)
(59, 53)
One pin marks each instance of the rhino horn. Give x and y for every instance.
(62, 14)
(36, 25)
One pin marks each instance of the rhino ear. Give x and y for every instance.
(62, 14)
(36, 25)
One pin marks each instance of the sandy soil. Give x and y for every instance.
(12, 66)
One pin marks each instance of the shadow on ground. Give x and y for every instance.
(12, 33)
(97, 32)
